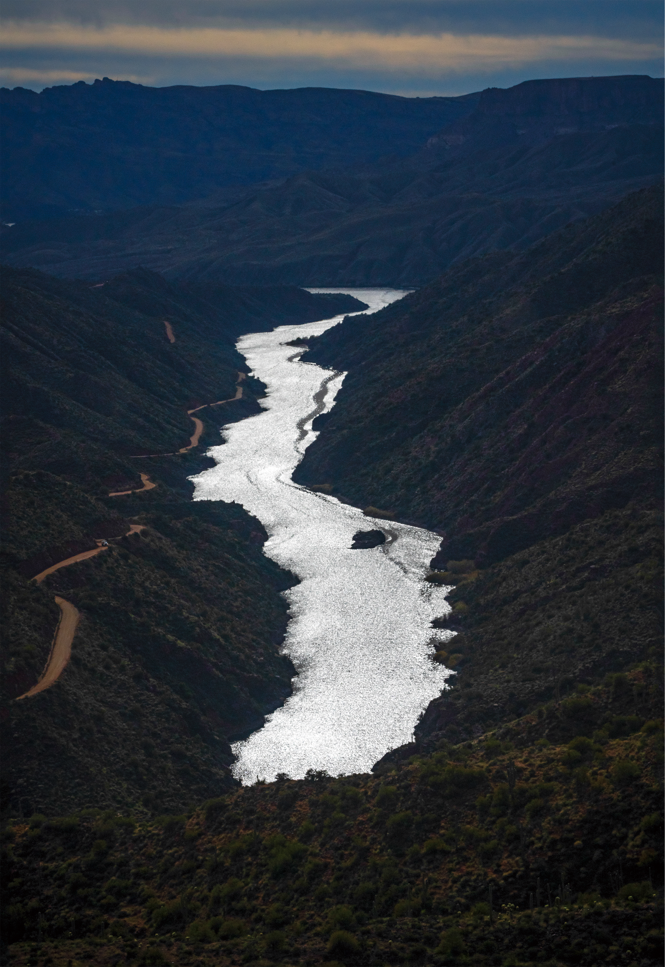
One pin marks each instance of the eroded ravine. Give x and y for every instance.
(360, 629)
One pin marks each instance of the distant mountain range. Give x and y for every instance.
(114, 144)
(508, 167)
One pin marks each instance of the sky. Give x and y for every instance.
(408, 47)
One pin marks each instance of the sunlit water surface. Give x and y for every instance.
(360, 619)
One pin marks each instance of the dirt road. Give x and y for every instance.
(196, 435)
(83, 556)
(147, 485)
(61, 649)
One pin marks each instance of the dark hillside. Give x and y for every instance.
(181, 620)
(515, 405)
(114, 144)
(526, 162)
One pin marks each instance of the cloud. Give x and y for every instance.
(633, 19)
(423, 53)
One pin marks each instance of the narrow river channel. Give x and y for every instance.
(360, 627)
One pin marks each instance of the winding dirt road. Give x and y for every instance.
(198, 429)
(147, 485)
(61, 648)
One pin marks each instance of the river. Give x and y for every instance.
(360, 629)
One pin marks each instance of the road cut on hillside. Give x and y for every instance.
(198, 430)
(148, 484)
(61, 649)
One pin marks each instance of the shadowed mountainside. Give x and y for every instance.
(114, 144)
(178, 643)
(525, 162)
(515, 406)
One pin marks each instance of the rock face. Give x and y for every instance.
(363, 540)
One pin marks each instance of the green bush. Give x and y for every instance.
(340, 918)
(169, 913)
(399, 824)
(622, 725)
(200, 932)
(274, 943)
(639, 892)
(285, 857)
(230, 929)
(624, 772)
(213, 809)
(386, 797)
(452, 943)
(343, 944)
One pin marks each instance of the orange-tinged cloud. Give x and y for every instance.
(424, 53)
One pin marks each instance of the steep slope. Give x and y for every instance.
(515, 405)
(114, 144)
(181, 618)
(474, 399)
(401, 223)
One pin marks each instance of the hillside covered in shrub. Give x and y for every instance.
(181, 620)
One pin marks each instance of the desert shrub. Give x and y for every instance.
(200, 932)
(153, 955)
(623, 725)
(213, 809)
(274, 943)
(226, 895)
(399, 824)
(343, 944)
(340, 918)
(307, 831)
(276, 915)
(452, 778)
(169, 913)
(488, 849)
(63, 825)
(436, 845)
(579, 711)
(583, 745)
(386, 797)
(617, 681)
(284, 857)
(624, 772)
(171, 824)
(480, 910)
(118, 888)
(407, 908)
(452, 943)
(500, 799)
(534, 806)
(363, 895)
(639, 892)
(230, 929)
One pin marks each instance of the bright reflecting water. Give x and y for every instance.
(360, 619)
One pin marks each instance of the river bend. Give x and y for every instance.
(359, 628)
